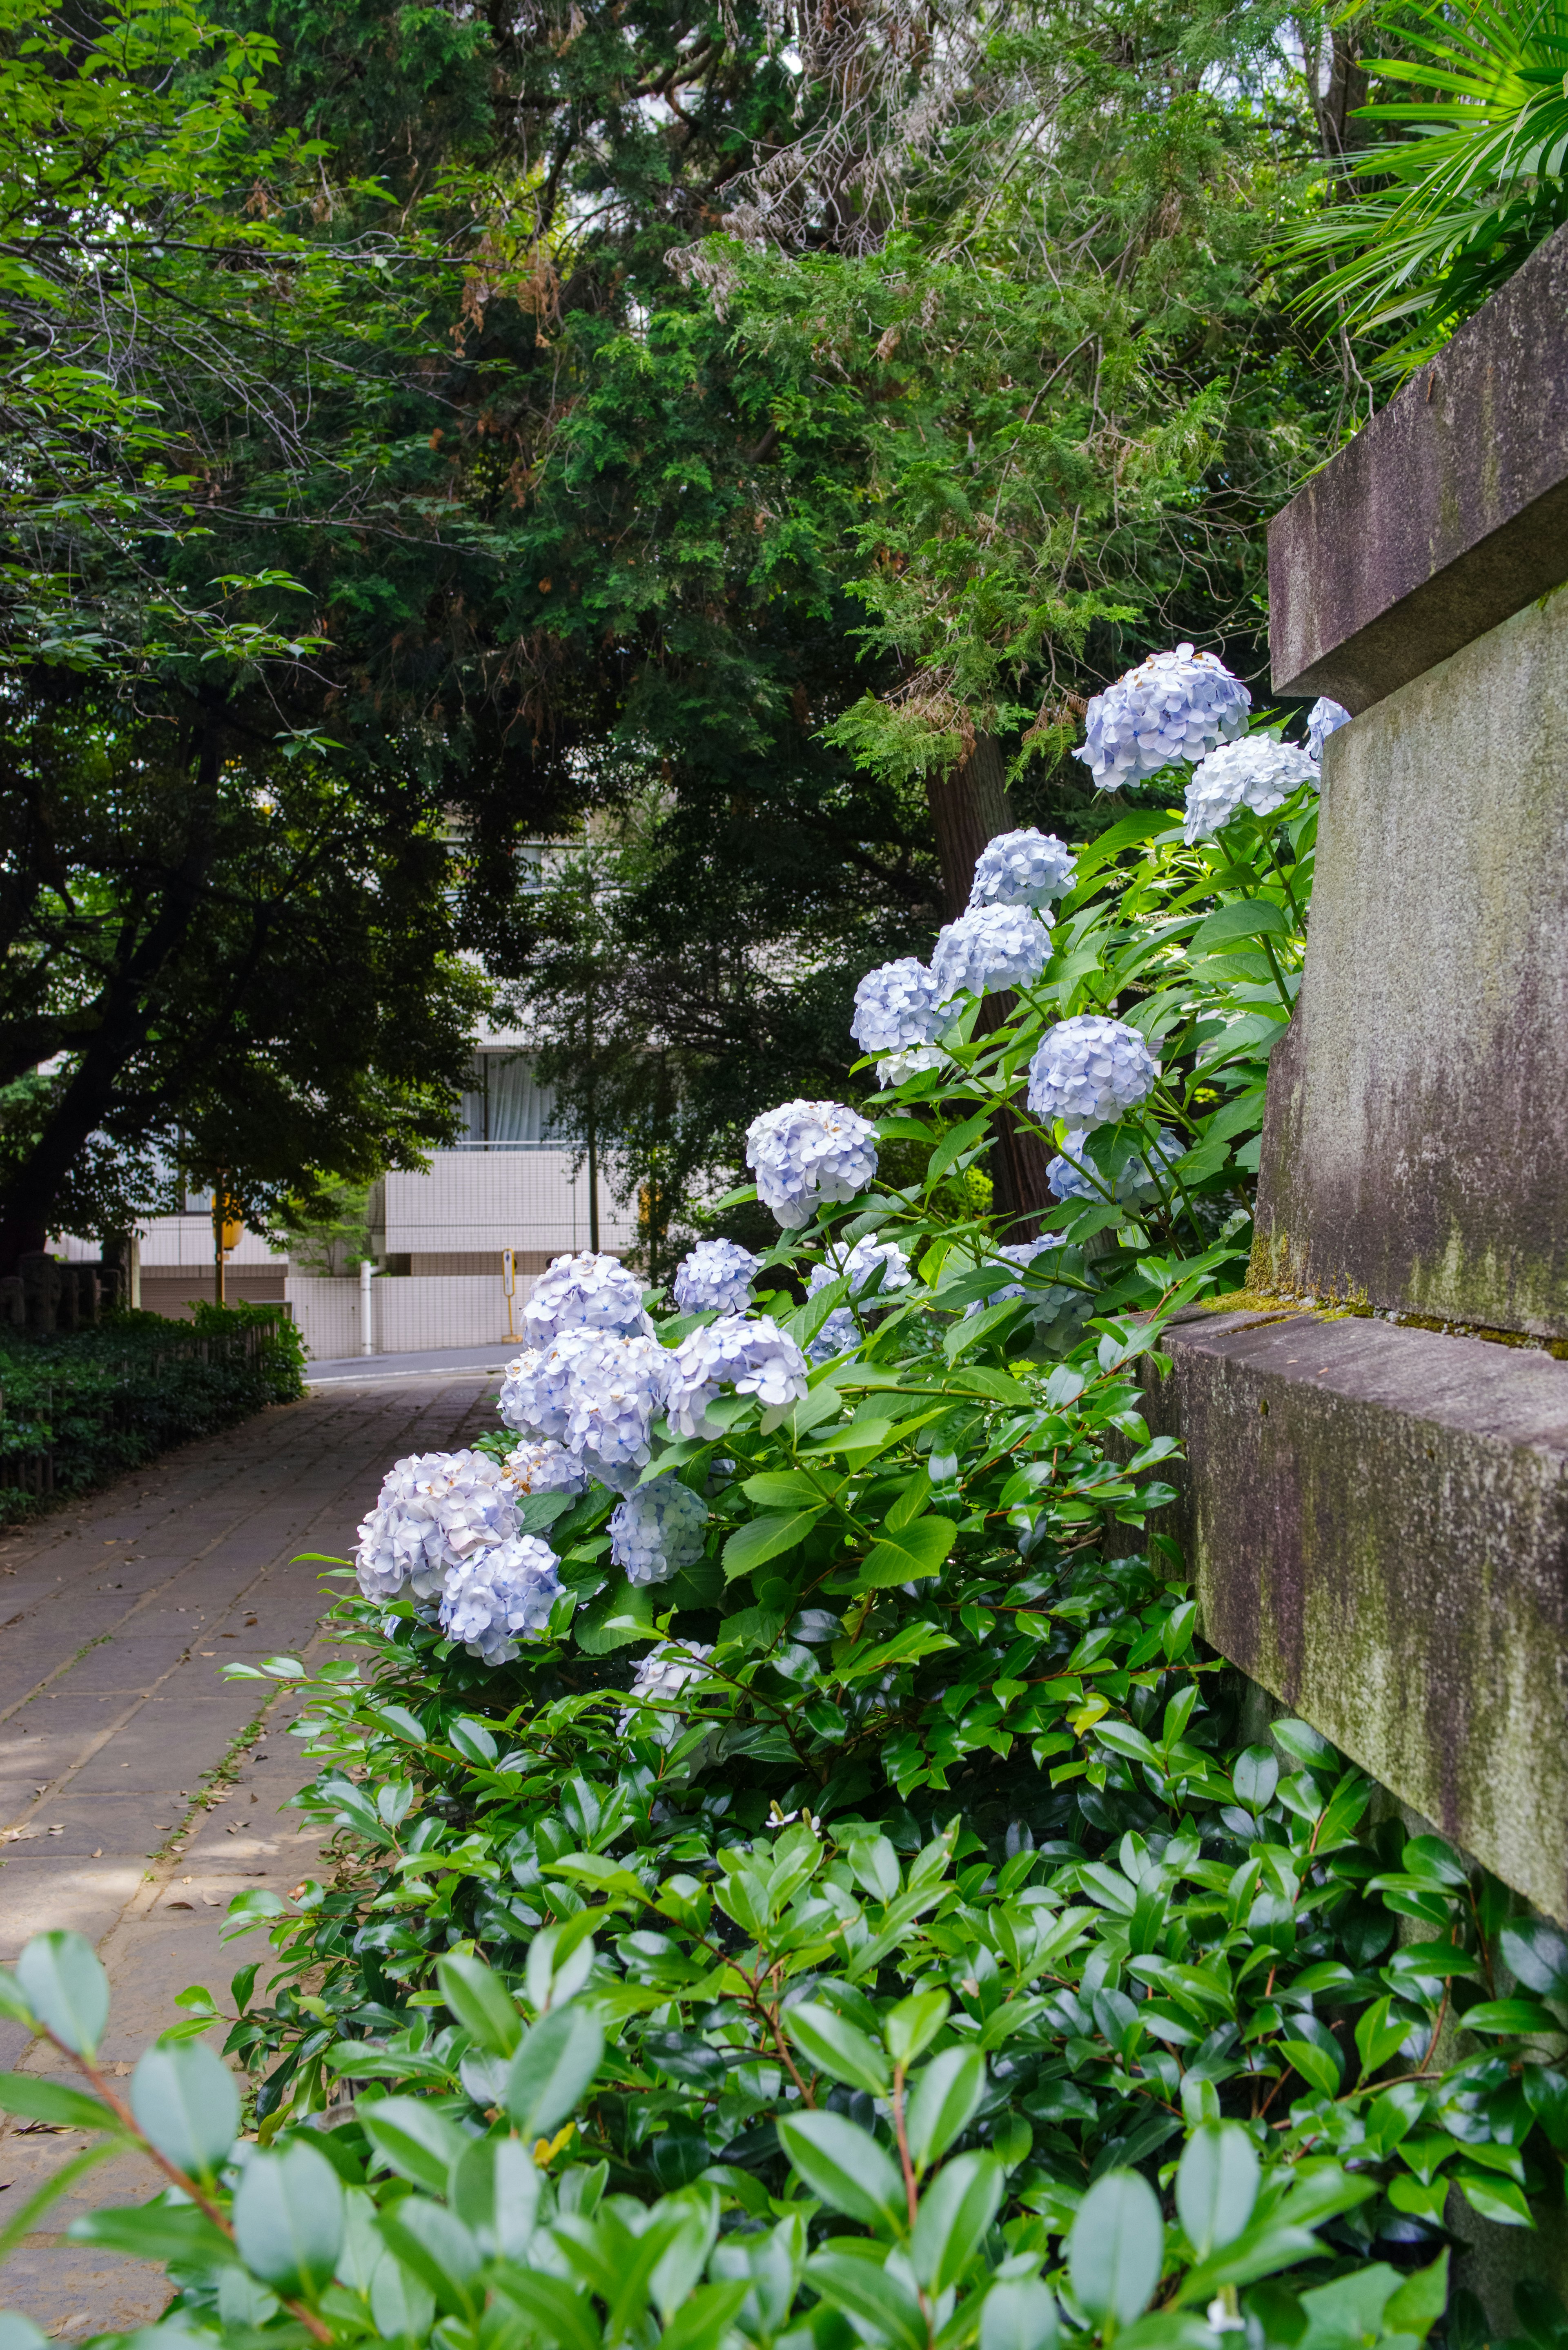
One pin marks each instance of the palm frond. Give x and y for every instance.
(1421, 230)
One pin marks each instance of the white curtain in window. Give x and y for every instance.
(503, 1103)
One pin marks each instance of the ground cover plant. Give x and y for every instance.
(799, 1877)
(90, 1403)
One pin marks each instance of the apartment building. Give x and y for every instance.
(439, 1238)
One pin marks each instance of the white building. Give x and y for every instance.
(438, 1238)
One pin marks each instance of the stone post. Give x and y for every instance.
(1376, 1490)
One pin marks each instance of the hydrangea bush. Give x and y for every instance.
(857, 1911)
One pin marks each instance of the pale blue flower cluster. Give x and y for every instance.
(657, 1530)
(894, 1067)
(1258, 773)
(546, 1468)
(661, 1676)
(859, 1266)
(1022, 868)
(990, 946)
(1324, 719)
(1174, 706)
(1089, 1071)
(590, 1291)
(808, 1153)
(501, 1597)
(598, 1391)
(753, 1356)
(1073, 1175)
(434, 1510)
(715, 1277)
(896, 1007)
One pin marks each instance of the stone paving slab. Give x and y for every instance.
(117, 1617)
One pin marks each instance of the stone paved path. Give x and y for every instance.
(116, 1619)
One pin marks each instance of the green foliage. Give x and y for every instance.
(106, 1399)
(1424, 227)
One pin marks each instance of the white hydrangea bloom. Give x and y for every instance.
(1324, 719)
(434, 1510)
(1174, 706)
(546, 1468)
(661, 1676)
(590, 1291)
(493, 1602)
(1259, 774)
(1089, 1071)
(807, 1153)
(896, 1007)
(895, 1068)
(1022, 868)
(715, 1278)
(753, 1356)
(657, 1530)
(1072, 1175)
(991, 946)
(1021, 1254)
(594, 1391)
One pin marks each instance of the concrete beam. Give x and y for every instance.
(1445, 514)
(1377, 1522)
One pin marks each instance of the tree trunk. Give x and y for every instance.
(969, 807)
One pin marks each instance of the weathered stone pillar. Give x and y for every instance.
(1376, 1494)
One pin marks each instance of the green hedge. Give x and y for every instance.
(79, 1408)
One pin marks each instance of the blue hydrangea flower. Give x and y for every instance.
(546, 1468)
(894, 1067)
(596, 1391)
(434, 1510)
(496, 1600)
(1090, 1071)
(715, 1278)
(859, 1263)
(752, 1356)
(1324, 719)
(1073, 1175)
(1258, 773)
(657, 1530)
(895, 1007)
(807, 1153)
(1022, 868)
(837, 1335)
(991, 946)
(661, 1676)
(1174, 706)
(590, 1291)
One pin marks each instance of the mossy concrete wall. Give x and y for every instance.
(1415, 1149)
(1377, 1522)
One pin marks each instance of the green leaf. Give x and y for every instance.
(481, 2002)
(763, 1538)
(52, 2101)
(67, 1989)
(1253, 918)
(1301, 1743)
(13, 2006)
(954, 2213)
(1497, 2200)
(552, 2309)
(944, 2101)
(1420, 2301)
(1314, 2065)
(1115, 2247)
(881, 2306)
(1254, 1775)
(1524, 2017)
(155, 2232)
(967, 1137)
(495, 2193)
(1378, 2038)
(832, 2045)
(433, 2242)
(414, 2139)
(185, 2101)
(917, 1550)
(288, 2217)
(787, 1489)
(401, 2303)
(19, 2333)
(911, 2026)
(1217, 2184)
(844, 2166)
(554, 2069)
(1536, 1953)
(704, 2320)
(1020, 2314)
(400, 1723)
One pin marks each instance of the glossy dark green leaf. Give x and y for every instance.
(288, 2217)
